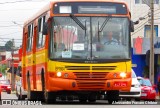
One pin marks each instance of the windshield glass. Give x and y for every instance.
(90, 37)
(145, 82)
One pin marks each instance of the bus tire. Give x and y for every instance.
(50, 97)
(41, 94)
(22, 97)
(82, 98)
(112, 96)
(30, 94)
(92, 98)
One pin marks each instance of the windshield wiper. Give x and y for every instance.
(78, 22)
(103, 25)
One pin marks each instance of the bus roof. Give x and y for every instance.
(49, 5)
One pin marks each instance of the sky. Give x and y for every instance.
(13, 14)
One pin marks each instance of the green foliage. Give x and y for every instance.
(9, 45)
(3, 69)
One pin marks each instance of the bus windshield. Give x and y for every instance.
(85, 37)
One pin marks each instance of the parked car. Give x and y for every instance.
(135, 91)
(0, 93)
(20, 92)
(0, 87)
(148, 91)
(5, 86)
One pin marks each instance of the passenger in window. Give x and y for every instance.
(108, 39)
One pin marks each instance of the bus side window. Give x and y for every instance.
(41, 37)
(30, 38)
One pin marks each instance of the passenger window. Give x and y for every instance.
(41, 37)
(30, 38)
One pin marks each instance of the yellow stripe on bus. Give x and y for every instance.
(34, 59)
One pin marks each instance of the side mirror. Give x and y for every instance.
(131, 26)
(45, 29)
(136, 22)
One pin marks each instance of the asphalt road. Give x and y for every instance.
(76, 104)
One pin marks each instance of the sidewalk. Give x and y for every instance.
(13, 92)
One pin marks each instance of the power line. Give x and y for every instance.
(7, 41)
(20, 1)
(4, 41)
(15, 1)
(146, 15)
(147, 21)
(9, 25)
(141, 27)
(20, 9)
(10, 33)
(10, 38)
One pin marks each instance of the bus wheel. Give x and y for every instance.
(50, 97)
(92, 98)
(30, 94)
(41, 93)
(22, 96)
(82, 98)
(112, 96)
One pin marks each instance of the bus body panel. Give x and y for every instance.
(80, 76)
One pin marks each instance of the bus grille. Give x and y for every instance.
(88, 75)
(90, 67)
(103, 67)
(90, 85)
(77, 67)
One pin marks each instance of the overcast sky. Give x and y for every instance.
(16, 11)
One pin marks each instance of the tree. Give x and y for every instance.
(3, 69)
(9, 45)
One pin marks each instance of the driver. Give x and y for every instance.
(108, 39)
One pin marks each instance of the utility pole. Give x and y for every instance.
(12, 75)
(151, 69)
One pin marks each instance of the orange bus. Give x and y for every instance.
(64, 53)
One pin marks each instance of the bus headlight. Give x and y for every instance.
(59, 74)
(123, 74)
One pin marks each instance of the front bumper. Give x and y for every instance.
(134, 93)
(59, 84)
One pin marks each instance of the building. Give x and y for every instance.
(16, 61)
(140, 11)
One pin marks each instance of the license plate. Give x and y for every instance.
(143, 94)
(120, 84)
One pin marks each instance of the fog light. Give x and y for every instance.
(59, 74)
(123, 74)
(115, 75)
(66, 75)
(73, 84)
